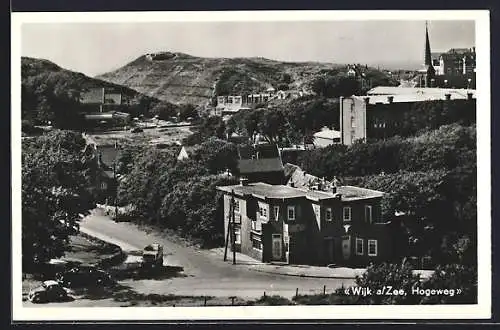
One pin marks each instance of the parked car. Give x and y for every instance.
(49, 291)
(152, 255)
(80, 276)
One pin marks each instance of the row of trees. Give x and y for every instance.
(56, 188)
(178, 195)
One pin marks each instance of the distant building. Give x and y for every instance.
(331, 224)
(454, 69)
(102, 99)
(381, 113)
(228, 105)
(358, 72)
(326, 137)
(186, 152)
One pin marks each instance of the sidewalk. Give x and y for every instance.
(299, 270)
(290, 270)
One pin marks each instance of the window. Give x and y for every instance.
(256, 225)
(359, 246)
(276, 212)
(347, 213)
(368, 213)
(104, 185)
(262, 211)
(372, 247)
(237, 234)
(328, 214)
(256, 244)
(291, 213)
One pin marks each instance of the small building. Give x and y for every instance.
(326, 137)
(339, 225)
(260, 163)
(186, 152)
(101, 99)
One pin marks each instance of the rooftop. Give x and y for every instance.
(264, 190)
(327, 134)
(260, 165)
(302, 180)
(411, 94)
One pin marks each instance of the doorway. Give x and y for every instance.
(277, 247)
(346, 247)
(329, 250)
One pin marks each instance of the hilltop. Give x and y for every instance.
(38, 73)
(48, 89)
(182, 78)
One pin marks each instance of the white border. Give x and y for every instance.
(480, 311)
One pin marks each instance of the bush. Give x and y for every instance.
(379, 278)
(274, 300)
(452, 277)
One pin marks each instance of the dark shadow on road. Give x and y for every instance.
(138, 273)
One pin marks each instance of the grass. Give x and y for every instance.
(89, 250)
(85, 250)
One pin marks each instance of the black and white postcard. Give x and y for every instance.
(248, 165)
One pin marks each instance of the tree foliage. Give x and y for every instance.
(56, 185)
(180, 195)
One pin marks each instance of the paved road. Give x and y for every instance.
(206, 272)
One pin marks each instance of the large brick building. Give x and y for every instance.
(384, 111)
(320, 225)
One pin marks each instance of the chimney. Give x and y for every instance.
(390, 99)
(367, 100)
(447, 96)
(292, 184)
(243, 182)
(469, 96)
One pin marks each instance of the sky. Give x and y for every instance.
(95, 48)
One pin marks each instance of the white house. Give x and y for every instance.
(326, 137)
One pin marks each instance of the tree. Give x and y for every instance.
(272, 124)
(164, 110)
(56, 183)
(187, 111)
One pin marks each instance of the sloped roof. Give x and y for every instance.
(246, 166)
(327, 134)
(302, 180)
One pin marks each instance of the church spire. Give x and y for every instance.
(428, 58)
(431, 73)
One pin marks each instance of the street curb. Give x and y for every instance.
(303, 275)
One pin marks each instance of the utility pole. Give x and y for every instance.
(233, 227)
(227, 235)
(115, 183)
